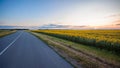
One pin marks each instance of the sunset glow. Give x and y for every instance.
(73, 13)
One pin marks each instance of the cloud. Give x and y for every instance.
(114, 25)
(115, 15)
(55, 26)
(52, 26)
(58, 26)
(118, 24)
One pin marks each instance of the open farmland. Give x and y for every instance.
(103, 39)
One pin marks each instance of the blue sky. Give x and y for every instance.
(22, 10)
(64, 12)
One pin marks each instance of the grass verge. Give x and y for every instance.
(6, 32)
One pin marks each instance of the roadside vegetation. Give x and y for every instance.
(6, 32)
(77, 53)
(102, 39)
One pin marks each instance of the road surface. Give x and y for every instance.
(23, 50)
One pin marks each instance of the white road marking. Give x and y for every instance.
(11, 43)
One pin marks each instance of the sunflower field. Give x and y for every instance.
(103, 39)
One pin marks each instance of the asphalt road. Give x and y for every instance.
(23, 50)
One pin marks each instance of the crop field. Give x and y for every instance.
(102, 39)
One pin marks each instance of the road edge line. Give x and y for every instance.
(10, 44)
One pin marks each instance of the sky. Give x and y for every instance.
(88, 13)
